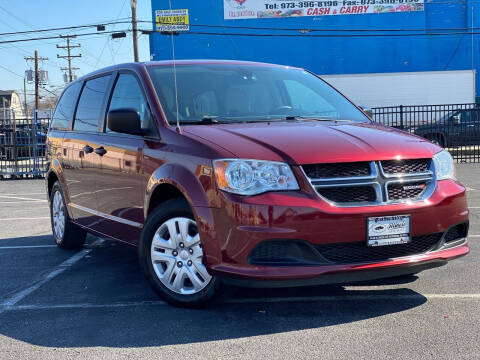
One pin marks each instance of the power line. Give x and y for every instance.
(57, 37)
(17, 18)
(307, 29)
(106, 42)
(63, 28)
(11, 72)
(305, 35)
(323, 35)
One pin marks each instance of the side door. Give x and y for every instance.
(120, 182)
(81, 164)
(473, 128)
(61, 123)
(453, 128)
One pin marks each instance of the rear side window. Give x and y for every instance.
(90, 104)
(66, 106)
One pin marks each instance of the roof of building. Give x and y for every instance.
(7, 92)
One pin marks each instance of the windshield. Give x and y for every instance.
(237, 93)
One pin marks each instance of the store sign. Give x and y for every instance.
(172, 20)
(257, 9)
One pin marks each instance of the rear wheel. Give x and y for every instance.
(171, 255)
(66, 234)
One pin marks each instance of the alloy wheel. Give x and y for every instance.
(58, 216)
(176, 255)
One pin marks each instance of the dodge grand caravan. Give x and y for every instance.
(246, 173)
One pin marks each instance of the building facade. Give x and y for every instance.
(329, 37)
(11, 107)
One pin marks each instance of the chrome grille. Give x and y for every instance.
(349, 194)
(399, 191)
(337, 170)
(385, 182)
(405, 166)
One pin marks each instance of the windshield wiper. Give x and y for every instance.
(315, 118)
(209, 120)
(206, 120)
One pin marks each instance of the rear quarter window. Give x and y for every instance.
(62, 117)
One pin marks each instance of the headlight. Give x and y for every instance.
(251, 177)
(444, 165)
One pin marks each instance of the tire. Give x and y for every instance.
(436, 139)
(71, 236)
(177, 272)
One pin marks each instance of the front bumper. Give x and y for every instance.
(333, 274)
(233, 231)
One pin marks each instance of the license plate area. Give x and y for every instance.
(388, 230)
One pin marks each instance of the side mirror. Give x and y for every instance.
(125, 121)
(455, 119)
(367, 110)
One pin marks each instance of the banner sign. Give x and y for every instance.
(257, 9)
(172, 20)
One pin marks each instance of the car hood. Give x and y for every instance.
(309, 142)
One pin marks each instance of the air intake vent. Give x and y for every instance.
(337, 170)
(349, 194)
(395, 167)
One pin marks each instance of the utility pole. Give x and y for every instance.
(135, 30)
(25, 97)
(36, 59)
(69, 56)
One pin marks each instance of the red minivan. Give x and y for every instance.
(246, 173)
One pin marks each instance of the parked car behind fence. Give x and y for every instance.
(22, 146)
(455, 127)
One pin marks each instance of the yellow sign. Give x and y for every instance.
(172, 20)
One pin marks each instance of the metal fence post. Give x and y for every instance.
(15, 153)
(401, 117)
(35, 150)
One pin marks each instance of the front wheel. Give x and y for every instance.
(171, 256)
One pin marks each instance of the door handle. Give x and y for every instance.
(100, 151)
(87, 149)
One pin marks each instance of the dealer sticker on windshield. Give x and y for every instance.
(388, 230)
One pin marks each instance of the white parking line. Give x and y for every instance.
(26, 218)
(21, 198)
(26, 247)
(254, 301)
(22, 194)
(40, 202)
(19, 296)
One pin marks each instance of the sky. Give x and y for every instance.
(97, 51)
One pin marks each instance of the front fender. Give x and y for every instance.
(194, 187)
(183, 179)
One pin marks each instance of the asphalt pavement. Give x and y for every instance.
(95, 303)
